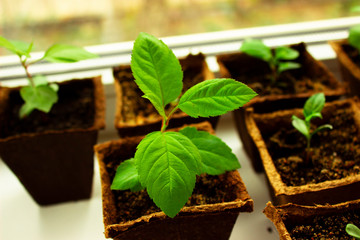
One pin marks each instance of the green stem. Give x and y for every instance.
(166, 120)
(26, 68)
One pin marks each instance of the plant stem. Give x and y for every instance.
(166, 120)
(26, 66)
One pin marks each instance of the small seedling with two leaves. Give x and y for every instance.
(279, 60)
(167, 163)
(39, 94)
(312, 109)
(353, 230)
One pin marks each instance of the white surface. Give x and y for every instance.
(22, 218)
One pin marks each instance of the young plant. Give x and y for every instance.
(279, 60)
(166, 163)
(312, 109)
(39, 94)
(353, 230)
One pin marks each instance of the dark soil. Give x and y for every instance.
(326, 227)
(288, 82)
(352, 52)
(132, 205)
(334, 154)
(208, 190)
(136, 108)
(74, 109)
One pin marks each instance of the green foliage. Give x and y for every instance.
(167, 163)
(39, 94)
(282, 59)
(354, 37)
(353, 230)
(312, 109)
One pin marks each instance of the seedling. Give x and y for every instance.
(40, 94)
(353, 230)
(279, 60)
(312, 109)
(166, 163)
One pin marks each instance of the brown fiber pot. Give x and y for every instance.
(349, 70)
(195, 70)
(54, 165)
(239, 64)
(330, 191)
(285, 216)
(210, 221)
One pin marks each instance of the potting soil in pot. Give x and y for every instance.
(74, 109)
(208, 190)
(334, 153)
(331, 226)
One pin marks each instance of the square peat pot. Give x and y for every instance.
(300, 84)
(349, 61)
(129, 215)
(135, 115)
(52, 154)
(292, 220)
(333, 172)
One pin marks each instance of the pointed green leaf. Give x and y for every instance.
(286, 53)
(167, 163)
(215, 97)
(321, 128)
(41, 97)
(354, 37)
(156, 70)
(62, 53)
(301, 126)
(284, 66)
(353, 230)
(216, 156)
(256, 48)
(127, 177)
(15, 46)
(22, 48)
(314, 104)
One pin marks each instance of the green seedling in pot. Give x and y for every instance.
(279, 60)
(353, 230)
(167, 163)
(39, 94)
(312, 109)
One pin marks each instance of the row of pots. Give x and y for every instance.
(270, 142)
(130, 126)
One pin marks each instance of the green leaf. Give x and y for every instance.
(23, 48)
(15, 47)
(256, 48)
(216, 156)
(321, 128)
(168, 163)
(354, 37)
(127, 177)
(353, 230)
(62, 53)
(355, 9)
(40, 80)
(156, 70)
(40, 97)
(286, 53)
(284, 66)
(301, 126)
(314, 104)
(215, 97)
(313, 115)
